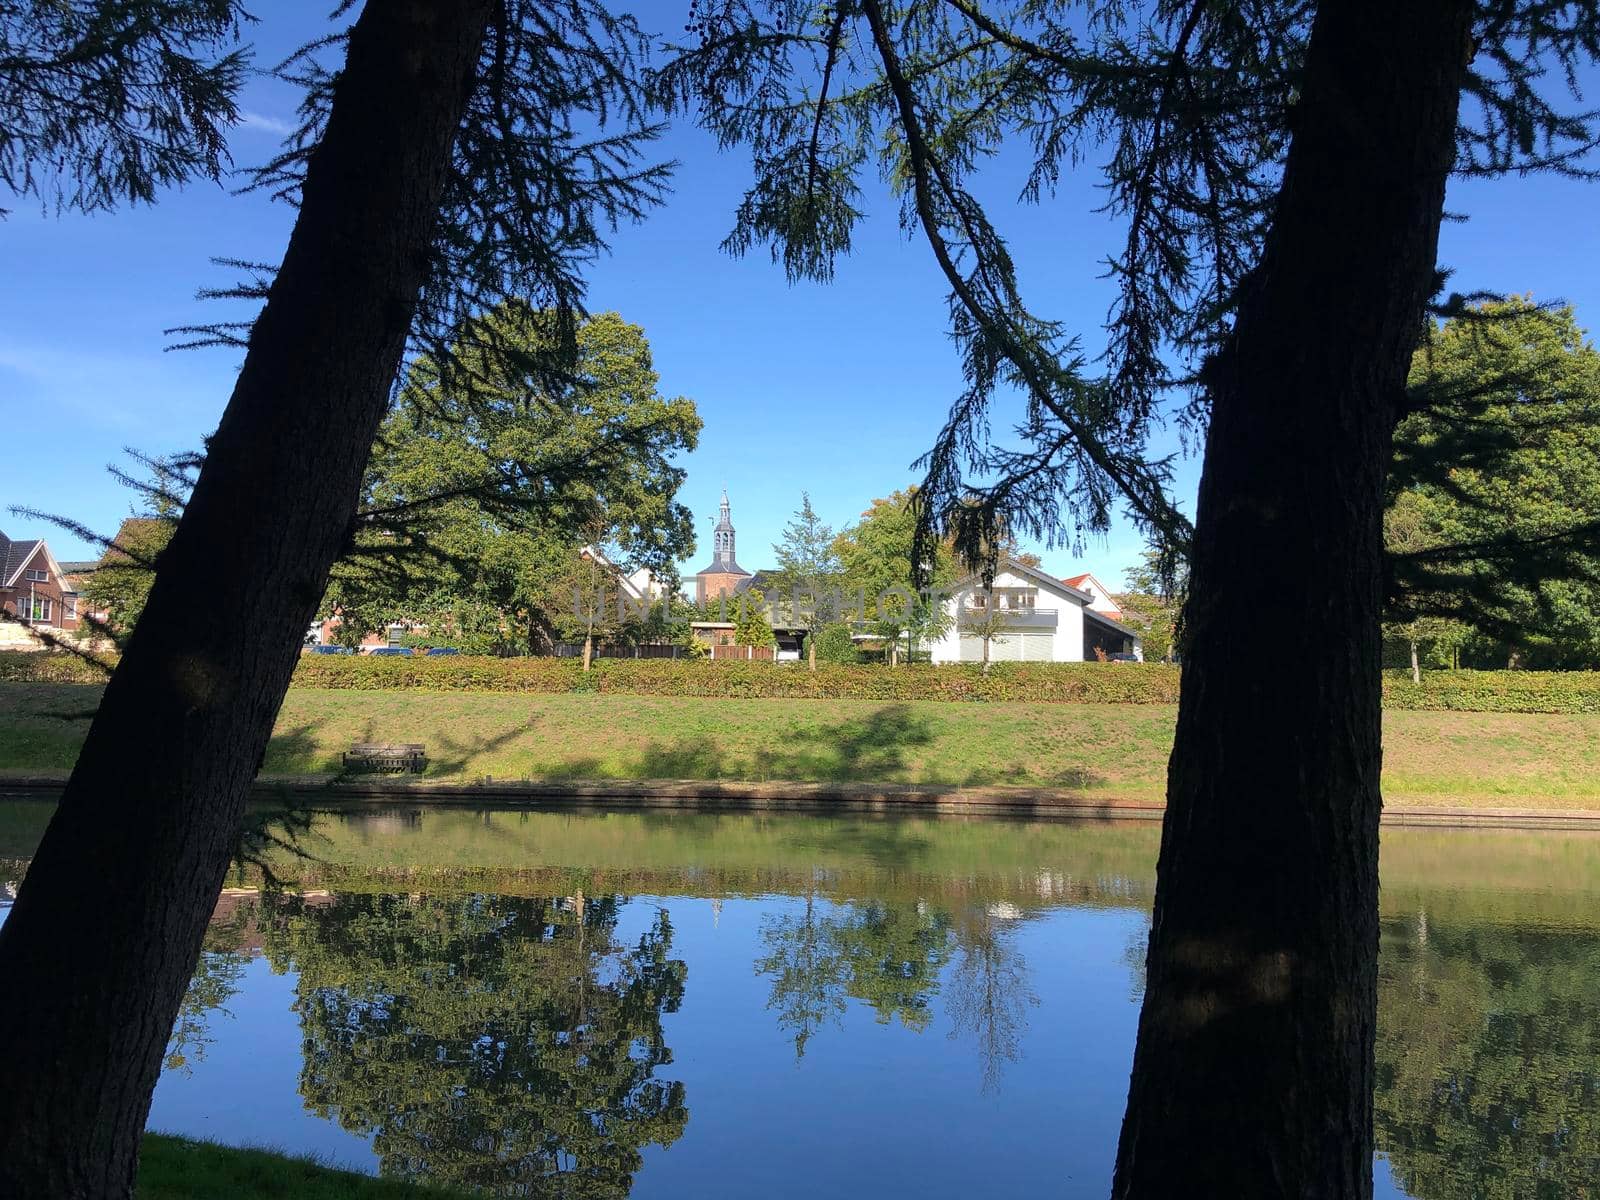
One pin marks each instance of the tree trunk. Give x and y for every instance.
(588, 651)
(1253, 1071)
(100, 946)
(1416, 667)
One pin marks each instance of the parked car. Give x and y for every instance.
(385, 651)
(432, 650)
(330, 650)
(1126, 658)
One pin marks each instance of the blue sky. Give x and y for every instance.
(834, 389)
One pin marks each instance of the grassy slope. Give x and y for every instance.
(1114, 750)
(173, 1168)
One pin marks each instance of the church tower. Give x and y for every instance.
(722, 577)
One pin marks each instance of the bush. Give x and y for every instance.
(1041, 683)
(1495, 691)
(47, 666)
(834, 645)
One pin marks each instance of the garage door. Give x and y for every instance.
(1015, 645)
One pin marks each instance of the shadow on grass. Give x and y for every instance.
(874, 748)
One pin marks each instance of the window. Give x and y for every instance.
(69, 606)
(36, 576)
(35, 608)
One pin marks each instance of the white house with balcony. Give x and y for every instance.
(1042, 619)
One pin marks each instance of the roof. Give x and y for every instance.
(1034, 573)
(1077, 581)
(1092, 615)
(722, 568)
(14, 556)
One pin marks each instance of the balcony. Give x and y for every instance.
(1021, 617)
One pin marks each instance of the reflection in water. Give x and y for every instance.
(477, 1032)
(497, 1043)
(1489, 1060)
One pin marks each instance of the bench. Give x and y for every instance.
(386, 756)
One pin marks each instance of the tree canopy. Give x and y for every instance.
(105, 101)
(479, 501)
(1494, 510)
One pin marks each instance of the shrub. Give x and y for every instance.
(834, 645)
(1495, 691)
(1039, 683)
(47, 666)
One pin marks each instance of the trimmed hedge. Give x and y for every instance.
(1495, 691)
(47, 666)
(1042, 683)
(1125, 683)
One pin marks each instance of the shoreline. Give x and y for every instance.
(877, 799)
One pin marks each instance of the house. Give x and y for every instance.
(1042, 619)
(1103, 601)
(35, 591)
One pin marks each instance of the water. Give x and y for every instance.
(692, 1005)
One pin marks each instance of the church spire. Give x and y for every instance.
(722, 535)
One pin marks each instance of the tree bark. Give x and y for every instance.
(99, 948)
(1253, 1071)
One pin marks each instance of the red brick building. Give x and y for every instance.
(34, 589)
(724, 575)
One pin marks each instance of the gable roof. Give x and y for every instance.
(1106, 596)
(1036, 575)
(17, 555)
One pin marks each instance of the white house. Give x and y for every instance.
(1044, 619)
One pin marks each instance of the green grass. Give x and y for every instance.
(1109, 750)
(174, 1168)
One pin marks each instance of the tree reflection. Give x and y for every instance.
(485, 1042)
(989, 992)
(892, 956)
(885, 954)
(1489, 1061)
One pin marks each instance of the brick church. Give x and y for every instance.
(724, 577)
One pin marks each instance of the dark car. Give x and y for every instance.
(388, 650)
(1126, 658)
(330, 650)
(433, 650)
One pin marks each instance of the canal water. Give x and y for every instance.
(545, 1003)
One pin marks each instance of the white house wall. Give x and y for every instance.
(1066, 643)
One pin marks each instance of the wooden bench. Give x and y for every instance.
(386, 756)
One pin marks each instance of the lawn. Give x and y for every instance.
(174, 1168)
(1112, 750)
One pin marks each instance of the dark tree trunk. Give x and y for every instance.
(1253, 1072)
(99, 948)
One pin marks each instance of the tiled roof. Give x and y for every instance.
(1076, 581)
(13, 555)
(723, 568)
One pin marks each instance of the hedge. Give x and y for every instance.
(1495, 691)
(1043, 683)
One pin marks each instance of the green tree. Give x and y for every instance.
(1152, 604)
(752, 624)
(809, 573)
(988, 624)
(120, 584)
(523, 132)
(1279, 172)
(1494, 508)
(876, 555)
(105, 101)
(487, 1043)
(485, 495)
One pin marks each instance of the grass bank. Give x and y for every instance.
(175, 1168)
(1111, 750)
